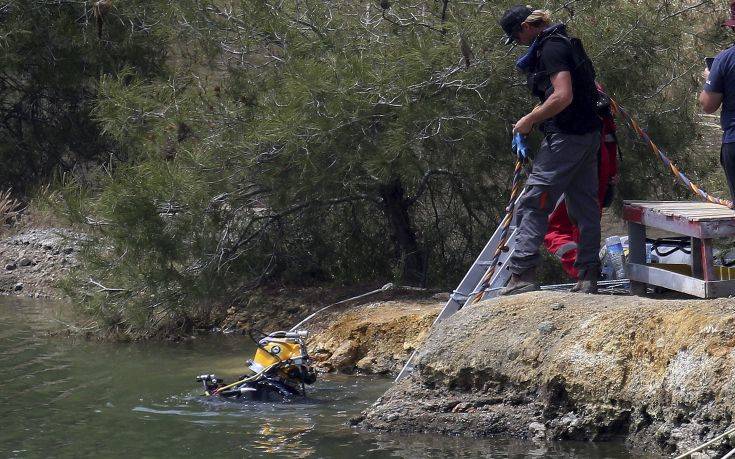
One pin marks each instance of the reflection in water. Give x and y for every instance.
(68, 398)
(287, 440)
(421, 446)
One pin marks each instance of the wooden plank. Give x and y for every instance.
(696, 245)
(717, 229)
(667, 279)
(708, 264)
(706, 218)
(703, 229)
(709, 218)
(707, 214)
(668, 203)
(658, 220)
(632, 214)
(683, 207)
(694, 219)
(695, 216)
(714, 213)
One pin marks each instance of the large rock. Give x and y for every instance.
(659, 372)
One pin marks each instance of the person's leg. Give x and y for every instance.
(727, 159)
(533, 210)
(549, 176)
(560, 239)
(582, 202)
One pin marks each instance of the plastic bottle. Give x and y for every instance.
(650, 256)
(606, 271)
(616, 256)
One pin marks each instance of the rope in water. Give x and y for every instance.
(509, 211)
(665, 159)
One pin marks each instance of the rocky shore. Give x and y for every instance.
(550, 366)
(32, 261)
(372, 336)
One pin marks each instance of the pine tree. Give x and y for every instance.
(341, 142)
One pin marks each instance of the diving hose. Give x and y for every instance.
(384, 288)
(292, 333)
(257, 376)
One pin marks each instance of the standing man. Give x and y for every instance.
(562, 235)
(719, 90)
(561, 75)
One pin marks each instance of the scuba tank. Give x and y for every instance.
(280, 369)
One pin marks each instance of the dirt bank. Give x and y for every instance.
(32, 261)
(569, 366)
(374, 335)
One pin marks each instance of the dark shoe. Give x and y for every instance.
(521, 283)
(587, 282)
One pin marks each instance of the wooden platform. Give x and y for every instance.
(696, 219)
(701, 221)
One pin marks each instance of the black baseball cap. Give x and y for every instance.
(512, 20)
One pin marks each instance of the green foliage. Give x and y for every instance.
(50, 61)
(340, 142)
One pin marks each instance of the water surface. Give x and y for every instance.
(73, 398)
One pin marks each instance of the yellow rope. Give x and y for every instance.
(696, 189)
(248, 379)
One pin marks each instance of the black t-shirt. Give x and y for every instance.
(580, 117)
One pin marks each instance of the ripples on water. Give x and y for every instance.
(72, 398)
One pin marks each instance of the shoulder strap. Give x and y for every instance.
(556, 35)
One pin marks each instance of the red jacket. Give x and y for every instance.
(562, 234)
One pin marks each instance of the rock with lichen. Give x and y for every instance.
(660, 373)
(372, 338)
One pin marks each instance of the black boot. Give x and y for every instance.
(521, 283)
(587, 282)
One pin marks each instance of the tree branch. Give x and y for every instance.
(105, 289)
(444, 16)
(424, 183)
(684, 10)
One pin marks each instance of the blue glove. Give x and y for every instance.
(519, 146)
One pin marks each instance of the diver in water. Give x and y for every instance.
(279, 370)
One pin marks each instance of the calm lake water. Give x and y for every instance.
(72, 398)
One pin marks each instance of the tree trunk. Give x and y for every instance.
(403, 235)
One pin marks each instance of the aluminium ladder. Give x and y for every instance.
(471, 283)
